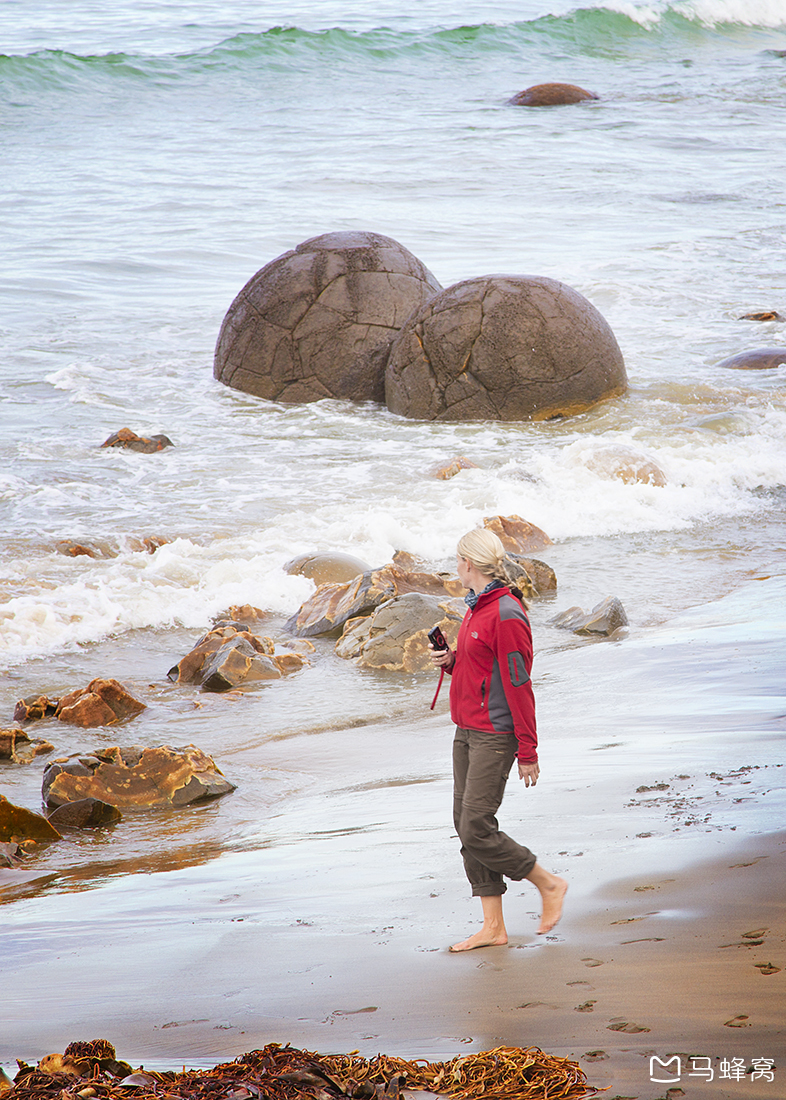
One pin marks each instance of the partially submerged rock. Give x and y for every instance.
(71, 549)
(332, 605)
(765, 315)
(551, 95)
(17, 747)
(130, 441)
(326, 568)
(317, 321)
(758, 359)
(605, 618)
(101, 703)
(503, 347)
(229, 656)
(85, 813)
(22, 827)
(395, 635)
(626, 464)
(517, 534)
(135, 778)
(449, 469)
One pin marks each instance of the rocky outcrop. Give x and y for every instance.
(395, 635)
(626, 464)
(130, 441)
(551, 95)
(317, 322)
(605, 618)
(332, 605)
(758, 359)
(326, 568)
(516, 534)
(765, 315)
(503, 347)
(101, 703)
(18, 748)
(230, 656)
(135, 778)
(35, 707)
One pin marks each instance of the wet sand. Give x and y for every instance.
(661, 801)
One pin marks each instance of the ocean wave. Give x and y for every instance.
(588, 29)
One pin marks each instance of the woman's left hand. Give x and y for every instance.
(529, 773)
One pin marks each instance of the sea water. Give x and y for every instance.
(156, 155)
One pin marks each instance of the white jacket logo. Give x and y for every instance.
(474, 633)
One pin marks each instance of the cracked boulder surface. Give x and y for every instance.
(318, 321)
(503, 347)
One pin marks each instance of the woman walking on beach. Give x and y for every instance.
(492, 704)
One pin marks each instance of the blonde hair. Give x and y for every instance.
(483, 549)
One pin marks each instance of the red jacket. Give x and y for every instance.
(490, 685)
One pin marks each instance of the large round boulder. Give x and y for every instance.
(318, 321)
(503, 347)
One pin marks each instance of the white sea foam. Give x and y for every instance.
(711, 13)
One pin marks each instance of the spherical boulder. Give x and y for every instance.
(318, 321)
(503, 347)
(551, 95)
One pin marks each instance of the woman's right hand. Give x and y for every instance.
(442, 658)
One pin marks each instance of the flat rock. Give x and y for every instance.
(318, 321)
(447, 470)
(136, 779)
(503, 347)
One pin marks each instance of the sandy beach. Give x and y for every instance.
(330, 931)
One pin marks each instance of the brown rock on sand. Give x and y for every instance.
(503, 347)
(551, 95)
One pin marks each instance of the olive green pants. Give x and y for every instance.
(481, 763)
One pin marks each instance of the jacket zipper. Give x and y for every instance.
(483, 695)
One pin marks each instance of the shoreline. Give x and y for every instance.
(326, 923)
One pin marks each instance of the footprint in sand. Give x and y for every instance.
(596, 1055)
(592, 962)
(586, 1007)
(738, 1021)
(767, 968)
(628, 1027)
(756, 934)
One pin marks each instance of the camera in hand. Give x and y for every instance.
(437, 639)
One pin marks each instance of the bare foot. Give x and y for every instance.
(481, 939)
(552, 896)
